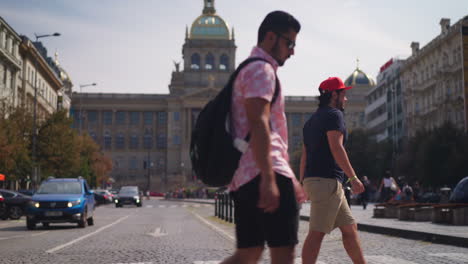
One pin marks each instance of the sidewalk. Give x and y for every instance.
(426, 231)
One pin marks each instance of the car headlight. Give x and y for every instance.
(116, 200)
(136, 197)
(73, 203)
(34, 204)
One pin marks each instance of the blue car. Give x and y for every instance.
(61, 200)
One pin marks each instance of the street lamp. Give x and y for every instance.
(81, 96)
(34, 132)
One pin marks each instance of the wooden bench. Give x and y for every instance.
(451, 213)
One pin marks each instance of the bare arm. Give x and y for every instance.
(335, 141)
(303, 163)
(258, 116)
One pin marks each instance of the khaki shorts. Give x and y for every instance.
(328, 206)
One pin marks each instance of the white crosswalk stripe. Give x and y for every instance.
(384, 259)
(452, 256)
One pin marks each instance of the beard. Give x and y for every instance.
(276, 52)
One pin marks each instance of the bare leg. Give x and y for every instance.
(282, 255)
(245, 256)
(352, 244)
(311, 247)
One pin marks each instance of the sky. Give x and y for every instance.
(128, 46)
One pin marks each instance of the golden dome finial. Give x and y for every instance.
(357, 63)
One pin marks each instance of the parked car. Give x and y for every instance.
(129, 195)
(157, 194)
(103, 196)
(3, 211)
(15, 203)
(460, 193)
(62, 200)
(27, 192)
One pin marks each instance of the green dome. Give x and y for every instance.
(359, 77)
(209, 26)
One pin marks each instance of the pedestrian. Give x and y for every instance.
(407, 193)
(388, 187)
(264, 188)
(324, 165)
(364, 196)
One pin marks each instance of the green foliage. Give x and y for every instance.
(436, 158)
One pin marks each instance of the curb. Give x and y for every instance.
(187, 201)
(410, 234)
(401, 233)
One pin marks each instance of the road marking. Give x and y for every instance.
(452, 256)
(222, 232)
(149, 206)
(207, 262)
(384, 259)
(173, 206)
(162, 206)
(158, 233)
(20, 236)
(87, 235)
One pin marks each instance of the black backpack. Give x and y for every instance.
(212, 152)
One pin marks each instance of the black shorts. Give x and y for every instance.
(255, 227)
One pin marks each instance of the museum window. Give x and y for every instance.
(148, 118)
(134, 141)
(107, 141)
(176, 116)
(147, 141)
(162, 118)
(224, 62)
(134, 118)
(120, 141)
(161, 141)
(92, 116)
(107, 117)
(195, 61)
(120, 117)
(209, 61)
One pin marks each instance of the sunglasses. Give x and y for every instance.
(291, 44)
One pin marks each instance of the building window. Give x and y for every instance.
(107, 141)
(134, 141)
(134, 118)
(107, 117)
(161, 141)
(162, 118)
(133, 163)
(195, 61)
(176, 116)
(148, 141)
(296, 120)
(224, 62)
(92, 116)
(120, 141)
(176, 140)
(209, 61)
(148, 118)
(93, 136)
(120, 117)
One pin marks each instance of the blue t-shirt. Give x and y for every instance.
(320, 161)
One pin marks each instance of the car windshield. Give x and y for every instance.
(128, 192)
(60, 188)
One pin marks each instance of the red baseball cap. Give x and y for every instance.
(333, 84)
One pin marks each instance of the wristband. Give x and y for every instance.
(352, 179)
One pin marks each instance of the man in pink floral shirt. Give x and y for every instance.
(264, 188)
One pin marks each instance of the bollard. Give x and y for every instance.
(216, 205)
(230, 209)
(226, 207)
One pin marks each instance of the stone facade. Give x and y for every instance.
(434, 90)
(10, 66)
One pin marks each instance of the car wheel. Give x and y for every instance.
(83, 221)
(3, 213)
(15, 212)
(46, 225)
(91, 221)
(30, 224)
(139, 205)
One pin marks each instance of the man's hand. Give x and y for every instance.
(357, 187)
(269, 193)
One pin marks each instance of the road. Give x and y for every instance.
(176, 232)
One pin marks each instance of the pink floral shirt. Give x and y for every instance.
(257, 80)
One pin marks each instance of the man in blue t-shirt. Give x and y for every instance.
(324, 165)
